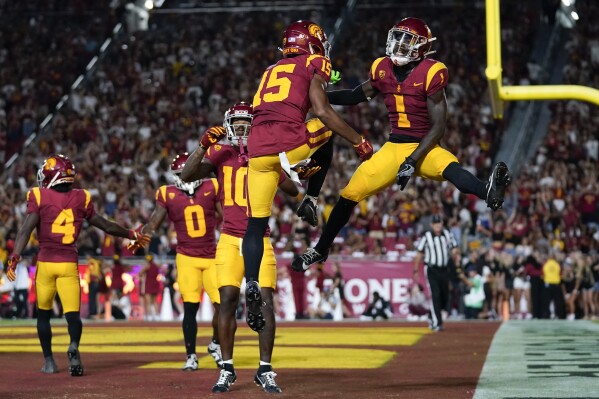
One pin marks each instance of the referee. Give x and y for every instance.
(438, 245)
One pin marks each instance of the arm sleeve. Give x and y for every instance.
(90, 210)
(347, 97)
(317, 64)
(420, 244)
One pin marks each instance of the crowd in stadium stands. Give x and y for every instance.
(156, 91)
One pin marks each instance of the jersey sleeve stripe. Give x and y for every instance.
(37, 194)
(310, 58)
(88, 198)
(433, 71)
(215, 182)
(375, 64)
(163, 193)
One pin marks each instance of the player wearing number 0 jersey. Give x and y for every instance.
(57, 211)
(230, 163)
(192, 208)
(288, 90)
(413, 87)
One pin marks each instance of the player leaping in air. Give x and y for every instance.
(57, 210)
(230, 162)
(413, 87)
(192, 208)
(280, 138)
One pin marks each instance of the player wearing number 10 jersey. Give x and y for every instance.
(192, 208)
(230, 163)
(280, 138)
(57, 211)
(413, 87)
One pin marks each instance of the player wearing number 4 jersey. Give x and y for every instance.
(413, 87)
(230, 162)
(280, 138)
(57, 211)
(192, 208)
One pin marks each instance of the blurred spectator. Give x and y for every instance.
(553, 293)
(150, 288)
(379, 307)
(93, 276)
(339, 283)
(325, 308)
(21, 296)
(475, 298)
(418, 303)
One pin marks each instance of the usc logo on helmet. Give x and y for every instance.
(50, 163)
(316, 31)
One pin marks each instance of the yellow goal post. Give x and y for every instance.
(500, 93)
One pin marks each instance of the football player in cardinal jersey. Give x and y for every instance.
(280, 138)
(192, 208)
(230, 163)
(58, 210)
(413, 87)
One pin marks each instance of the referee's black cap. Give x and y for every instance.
(436, 219)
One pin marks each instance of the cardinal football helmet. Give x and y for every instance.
(409, 40)
(176, 168)
(305, 37)
(56, 169)
(238, 134)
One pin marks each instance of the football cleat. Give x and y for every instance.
(191, 364)
(49, 366)
(307, 212)
(302, 262)
(75, 366)
(267, 381)
(253, 300)
(225, 380)
(214, 351)
(495, 189)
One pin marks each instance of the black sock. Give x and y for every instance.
(190, 326)
(464, 181)
(338, 218)
(229, 367)
(323, 157)
(253, 247)
(75, 327)
(264, 369)
(215, 341)
(44, 331)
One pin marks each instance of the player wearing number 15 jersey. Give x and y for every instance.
(288, 90)
(230, 163)
(57, 211)
(413, 87)
(192, 208)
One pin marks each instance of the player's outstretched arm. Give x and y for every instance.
(116, 229)
(197, 167)
(361, 93)
(156, 219)
(323, 110)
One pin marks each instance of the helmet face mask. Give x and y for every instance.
(408, 41)
(176, 168)
(56, 169)
(237, 123)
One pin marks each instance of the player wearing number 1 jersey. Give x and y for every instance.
(288, 90)
(192, 208)
(57, 211)
(230, 163)
(413, 87)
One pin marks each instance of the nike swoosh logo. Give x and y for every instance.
(206, 193)
(417, 84)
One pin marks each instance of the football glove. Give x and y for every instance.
(406, 170)
(335, 77)
(13, 261)
(212, 136)
(138, 240)
(364, 150)
(306, 169)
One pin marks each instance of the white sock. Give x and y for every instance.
(230, 361)
(264, 363)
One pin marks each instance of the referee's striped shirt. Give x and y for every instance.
(437, 249)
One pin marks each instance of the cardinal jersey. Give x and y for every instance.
(61, 216)
(194, 217)
(231, 172)
(406, 101)
(282, 103)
